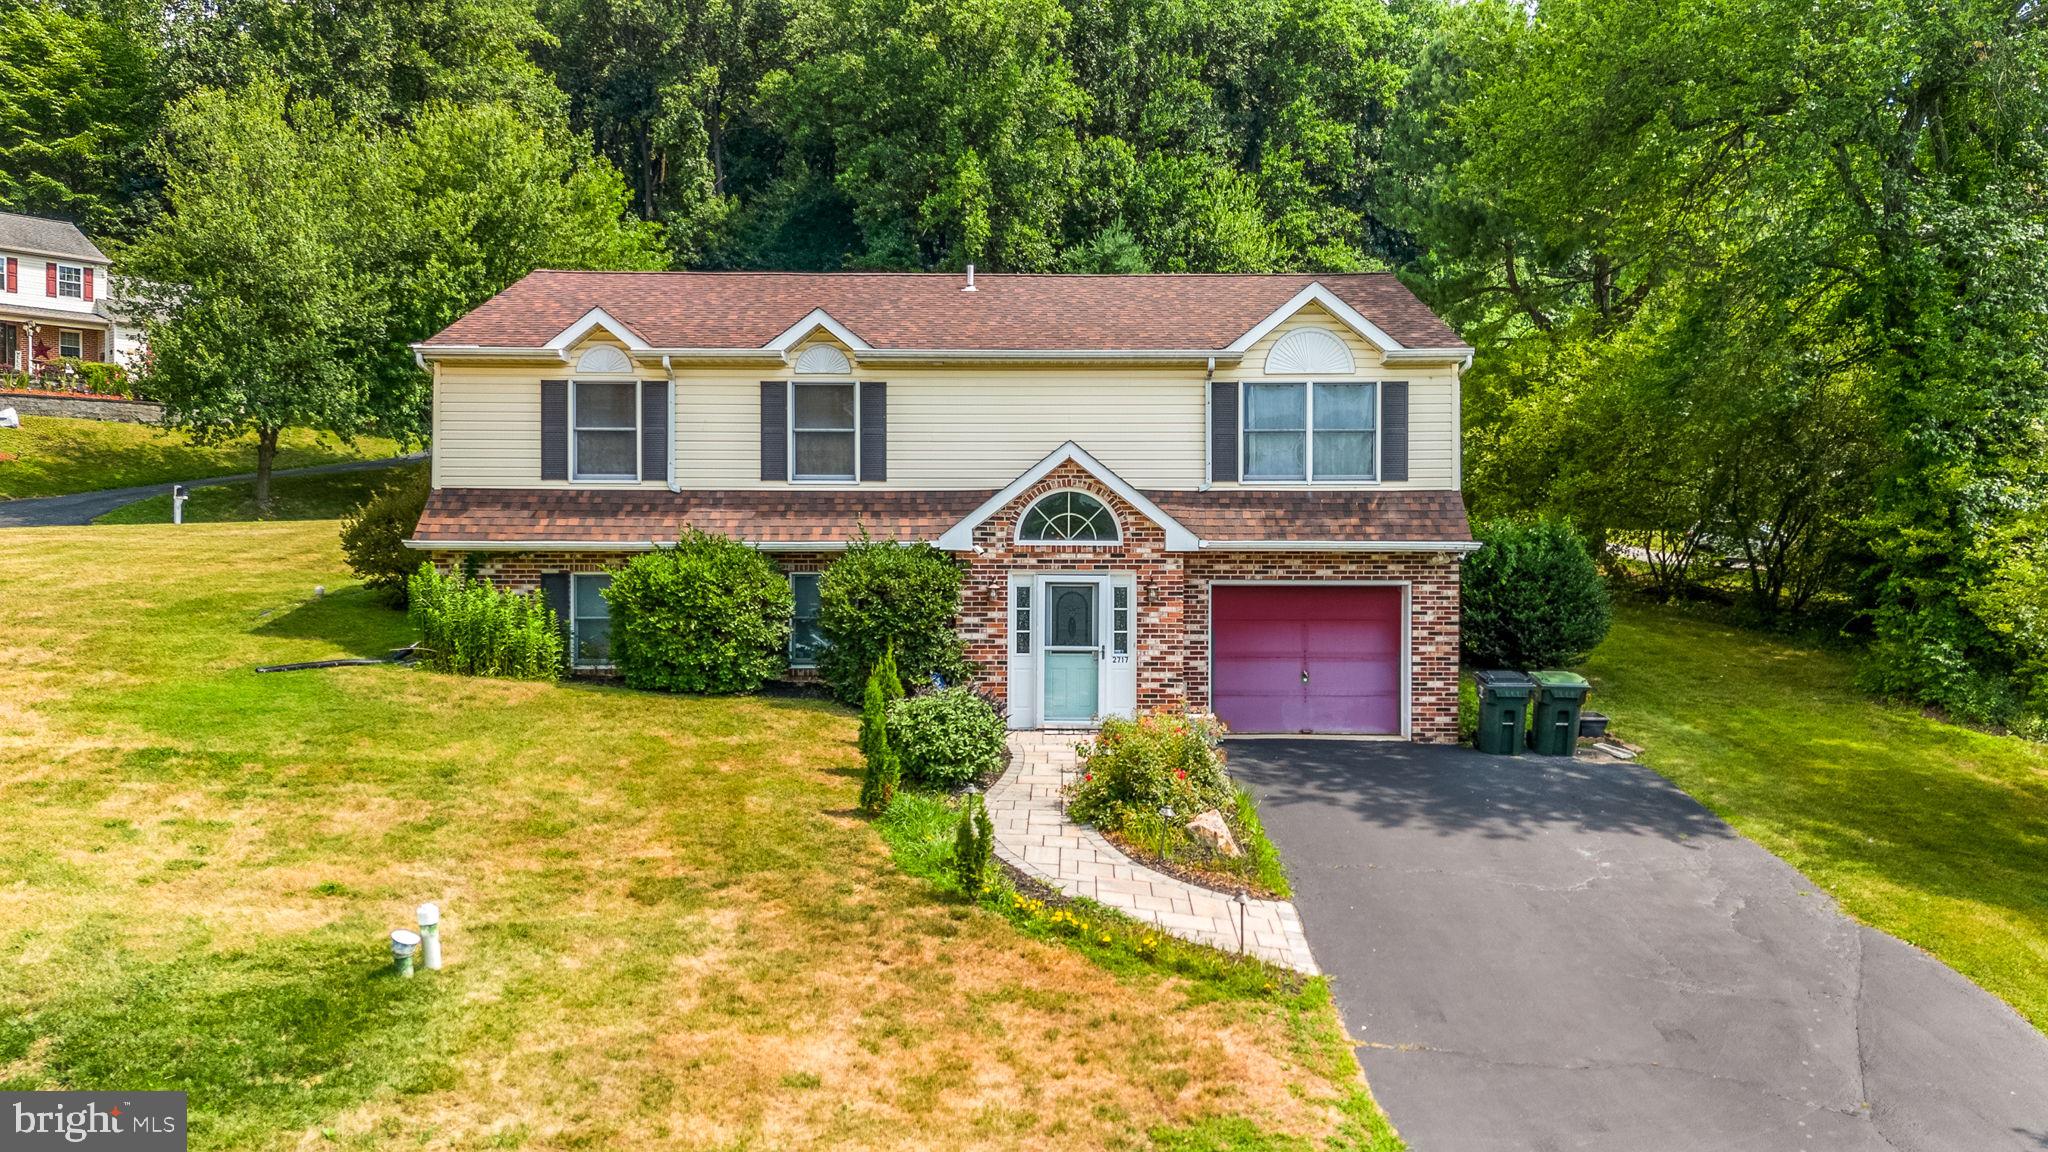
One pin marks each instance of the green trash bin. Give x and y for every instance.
(1559, 696)
(1503, 711)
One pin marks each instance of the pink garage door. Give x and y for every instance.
(1306, 658)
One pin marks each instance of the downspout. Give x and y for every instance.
(675, 483)
(1208, 417)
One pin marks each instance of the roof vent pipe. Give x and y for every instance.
(970, 279)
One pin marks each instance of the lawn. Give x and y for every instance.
(291, 498)
(50, 456)
(1934, 833)
(665, 925)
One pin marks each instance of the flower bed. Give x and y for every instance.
(1150, 785)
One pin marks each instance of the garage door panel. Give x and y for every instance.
(1347, 638)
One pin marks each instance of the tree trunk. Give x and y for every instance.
(266, 455)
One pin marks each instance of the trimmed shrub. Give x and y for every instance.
(974, 843)
(1532, 597)
(946, 738)
(373, 536)
(474, 628)
(1133, 768)
(884, 688)
(707, 615)
(882, 594)
(884, 772)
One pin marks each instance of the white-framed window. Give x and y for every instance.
(71, 343)
(806, 640)
(1311, 431)
(71, 281)
(605, 417)
(1120, 620)
(1068, 517)
(1021, 630)
(590, 619)
(824, 431)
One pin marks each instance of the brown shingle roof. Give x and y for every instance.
(1256, 514)
(636, 516)
(929, 311)
(786, 516)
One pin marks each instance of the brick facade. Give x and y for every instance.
(1171, 613)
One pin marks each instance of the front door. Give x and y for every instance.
(1073, 651)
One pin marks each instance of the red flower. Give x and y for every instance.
(1087, 776)
(1182, 773)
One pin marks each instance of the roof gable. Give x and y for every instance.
(960, 537)
(44, 236)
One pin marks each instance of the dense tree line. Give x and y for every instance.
(1759, 287)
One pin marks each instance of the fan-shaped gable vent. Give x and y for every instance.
(1309, 352)
(604, 358)
(823, 360)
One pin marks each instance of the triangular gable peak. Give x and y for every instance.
(960, 537)
(1317, 295)
(800, 331)
(597, 320)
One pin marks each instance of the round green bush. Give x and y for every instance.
(1134, 768)
(882, 592)
(373, 536)
(1533, 597)
(709, 615)
(946, 738)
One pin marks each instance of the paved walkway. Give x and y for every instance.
(1539, 953)
(83, 507)
(1034, 835)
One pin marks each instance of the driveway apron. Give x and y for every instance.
(1534, 953)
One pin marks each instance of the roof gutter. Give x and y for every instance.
(1340, 545)
(606, 545)
(1462, 357)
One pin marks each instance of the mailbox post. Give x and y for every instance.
(178, 495)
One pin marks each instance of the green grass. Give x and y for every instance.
(52, 456)
(1934, 833)
(666, 926)
(291, 498)
(919, 829)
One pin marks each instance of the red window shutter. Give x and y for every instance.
(88, 285)
(49, 279)
(13, 274)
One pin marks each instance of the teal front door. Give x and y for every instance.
(1073, 653)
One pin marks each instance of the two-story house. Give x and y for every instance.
(54, 293)
(1168, 493)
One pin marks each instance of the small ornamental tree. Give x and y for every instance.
(882, 595)
(884, 688)
(974, 848)
(884, 771)
(707, 615)
(1533, 597)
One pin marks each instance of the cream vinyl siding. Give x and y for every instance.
(950, 426)
(1432, 399)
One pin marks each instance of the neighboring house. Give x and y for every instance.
(55, 297)
(1168, 493)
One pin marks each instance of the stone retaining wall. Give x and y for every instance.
(79, 406)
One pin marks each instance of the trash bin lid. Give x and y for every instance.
(1503, 678)
(1559, 679)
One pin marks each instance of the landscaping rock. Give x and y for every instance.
(1211, 830)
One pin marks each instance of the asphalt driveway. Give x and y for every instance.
(79, 508)
(1541, 954)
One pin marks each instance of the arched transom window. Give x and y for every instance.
(1064, 517)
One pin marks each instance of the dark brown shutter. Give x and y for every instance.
(1223, 431)
(554, 588)
(874, 432)
(774, 430)
(654, 411)
(1394, 430)
(554, 429)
